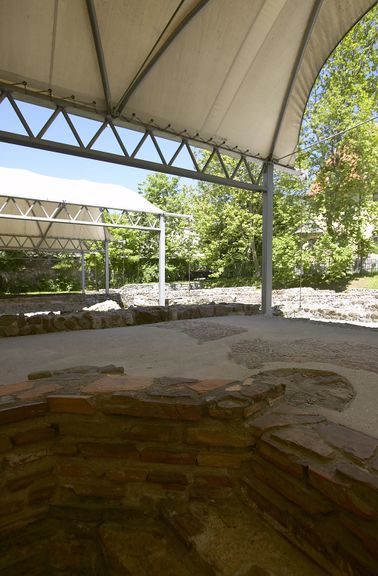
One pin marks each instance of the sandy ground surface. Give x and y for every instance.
(225, 347)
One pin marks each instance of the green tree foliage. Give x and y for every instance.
(228, 222)
(28, 272)
(343, 170)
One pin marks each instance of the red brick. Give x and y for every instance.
(281, 458)
(228, 409)
(293, 490)
(350, 441)
(37, 391)
(95, 489)
(108, 450)
(153, 432)
(221, 460)
(167, 381)
(23, 412)
(276, 420)
(373, 464)
(337, 491)
(16, 522)
(167, 478)
(42, 494)
(9, 508)
(147, 408)
(253, 409)
(71, 404)
(166, 457)
(32, 436)
(4, 443)
(9, 389)
(218, 437)
(74, 469)
(23, 481)
(208, 481)
(64, 448)
(366, 531)
(204, 386)
(256, 392)
(123, 476)
(305, 439)
(358, 475)
(111, 383)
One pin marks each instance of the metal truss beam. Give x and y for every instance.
(32, 243)
(76, 221)
(215, 169)
(35, 211)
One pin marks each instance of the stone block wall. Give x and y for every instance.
(21, 325)
(69, 302)
(84, 447)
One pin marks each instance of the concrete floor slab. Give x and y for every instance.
(223, 347)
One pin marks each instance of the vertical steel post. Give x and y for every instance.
(82, 272)
(162, 261)
(266, 289)
(107, 266)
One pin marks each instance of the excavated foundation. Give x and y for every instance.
(104, 473)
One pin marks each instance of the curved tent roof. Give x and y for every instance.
(43, 212)
(236, 71)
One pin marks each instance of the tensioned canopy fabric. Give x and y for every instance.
(238, 71)
(49, 213)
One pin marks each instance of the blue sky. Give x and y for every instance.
(71, 167)
(64, 166)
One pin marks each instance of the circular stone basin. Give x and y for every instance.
(88, 454)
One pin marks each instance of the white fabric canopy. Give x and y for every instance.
(238, 71)
(27, 184)
(25, 195)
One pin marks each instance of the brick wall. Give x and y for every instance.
(78, 448)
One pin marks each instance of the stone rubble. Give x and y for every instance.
(22, 325)
(105, 306)
(357, 306)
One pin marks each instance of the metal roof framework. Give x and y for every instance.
(228, 78)
(36, 216)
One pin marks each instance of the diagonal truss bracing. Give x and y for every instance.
(60, 213)
(33, 243)
(187, 156)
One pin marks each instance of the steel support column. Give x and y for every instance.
(266, 292)
(162, 261)
(82, 272)
(107, 266)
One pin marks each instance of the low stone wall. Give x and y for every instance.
(20, 325)
(55, 302)
(82, 449)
